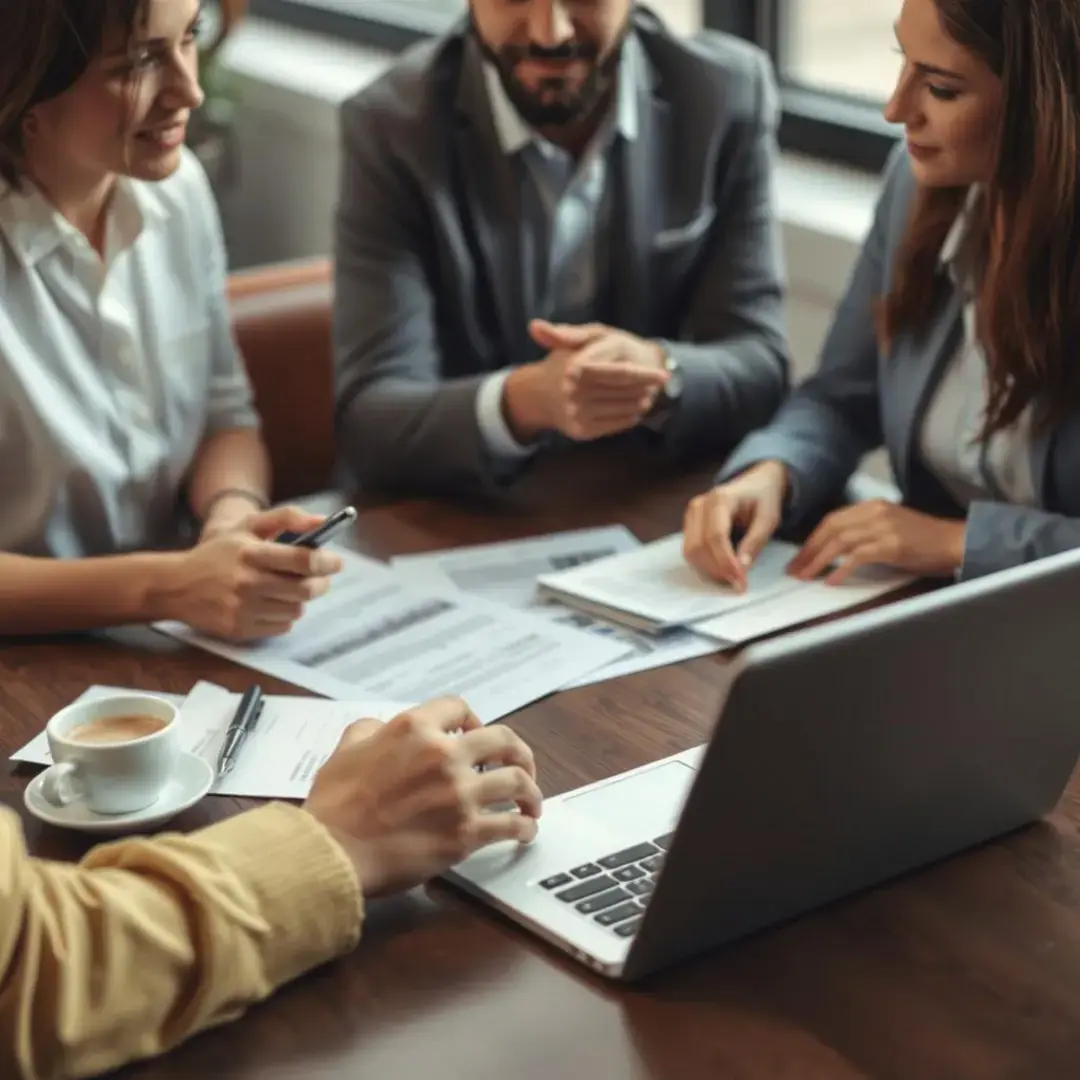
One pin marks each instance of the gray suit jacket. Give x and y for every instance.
(430, 297)
(862, 399)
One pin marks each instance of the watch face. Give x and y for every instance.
(674, 386)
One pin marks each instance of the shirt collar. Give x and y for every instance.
(35, 228)
(954, 239)
(515, 134)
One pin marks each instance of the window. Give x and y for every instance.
(844, 46)
(834, 58)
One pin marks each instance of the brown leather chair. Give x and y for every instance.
(281, 315)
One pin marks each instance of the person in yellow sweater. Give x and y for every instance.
(96, 960)
(149, 941)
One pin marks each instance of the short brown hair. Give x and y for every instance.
(44, 50)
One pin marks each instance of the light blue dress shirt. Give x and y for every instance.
(113, 369)
(567, 211)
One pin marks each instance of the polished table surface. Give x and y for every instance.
(968, 969)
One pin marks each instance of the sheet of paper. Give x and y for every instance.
(36, 751)
(812, 600)
(279, 760)
(656, 583)
(376, 636)
(507, 573)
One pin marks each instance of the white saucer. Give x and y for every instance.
(191, 781)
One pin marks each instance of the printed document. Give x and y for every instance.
(508, 572)
(655, 588)
(279, 759)
(376, 636)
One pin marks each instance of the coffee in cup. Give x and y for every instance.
(115, 753)
(114, 729)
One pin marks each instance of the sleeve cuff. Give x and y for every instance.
(493, 428)
(305, 885)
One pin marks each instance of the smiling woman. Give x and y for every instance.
(124, 400)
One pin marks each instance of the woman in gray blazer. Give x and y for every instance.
(956, 345)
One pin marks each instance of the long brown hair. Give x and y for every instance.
(1025, 237)
(44, 49)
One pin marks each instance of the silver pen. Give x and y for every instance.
(243, 723)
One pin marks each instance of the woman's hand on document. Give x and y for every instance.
(752, 501)
(240, 584)
(408, 799)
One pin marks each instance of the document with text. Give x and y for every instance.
(290, 743)
(374, 635)
(508, 572)
(654, 588)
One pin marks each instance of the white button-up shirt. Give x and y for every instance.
(113, 369)
(998, 469)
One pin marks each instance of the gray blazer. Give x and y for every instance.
(429, 292)
(862, 399)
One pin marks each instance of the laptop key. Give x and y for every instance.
(590, 887)
(604, 900)
(555, 881)
(628, 873)
(640, 888)
(586, 870)
(627, 855)
(664, 842)
(653, 865)
(628, 928)
(616, 914)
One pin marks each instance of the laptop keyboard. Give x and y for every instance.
(613, 891)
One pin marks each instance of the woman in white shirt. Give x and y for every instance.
(956, 344)
(124, 404)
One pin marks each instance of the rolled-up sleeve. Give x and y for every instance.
(149, 941)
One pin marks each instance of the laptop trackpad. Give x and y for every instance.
(645, 805)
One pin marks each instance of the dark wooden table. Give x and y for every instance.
(968, 969)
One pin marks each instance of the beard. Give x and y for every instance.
(555, 102)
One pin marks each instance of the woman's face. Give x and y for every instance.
(128, 112)
(948, 100)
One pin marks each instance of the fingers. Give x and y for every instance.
(758, 533)
(862, 555)
(550, 335)
(509, 785)
(359, 731)
(284, 589)
(446, 714)
(269, 523)
(602, 369)
(497, 745)
(491, 828)
(707, 539)
(286, 559)
(820, 552)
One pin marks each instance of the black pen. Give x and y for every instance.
(243, 723)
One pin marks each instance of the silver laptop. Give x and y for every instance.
(844, 755)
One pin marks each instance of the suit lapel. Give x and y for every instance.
(493, 195)
(640, 194)
(917, 366)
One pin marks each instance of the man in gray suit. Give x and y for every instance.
(556, 223)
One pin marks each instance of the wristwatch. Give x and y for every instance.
(673, 388)
(669, 397)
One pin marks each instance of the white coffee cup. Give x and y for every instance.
(118, 774)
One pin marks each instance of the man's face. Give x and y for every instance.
(557, 58)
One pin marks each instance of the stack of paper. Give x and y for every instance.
(654, 589)
(279, 759)
(508, 573)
